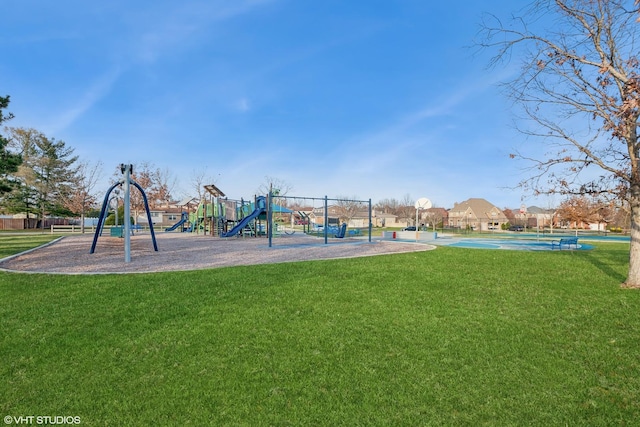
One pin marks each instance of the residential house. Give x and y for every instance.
(434, 217)
(382, 219)
(333, 215)
(360, 219)
(476, 214)
(168, 215)
(539, 218)
(378, 219)
(161, 217)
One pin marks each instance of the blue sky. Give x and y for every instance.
(367, 99)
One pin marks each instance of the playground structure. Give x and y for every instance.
(260, 208)
(216, 215)
(250, 217)
(213, 213)
(126, 182)
(242, 218)
(208, 217)
(183, 220)
(222, 217)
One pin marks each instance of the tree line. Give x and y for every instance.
(41, 176)
(38, 174)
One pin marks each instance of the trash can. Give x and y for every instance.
(394, 235)
(117, 231)
(435, 235)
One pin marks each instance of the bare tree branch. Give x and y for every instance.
(577, 92)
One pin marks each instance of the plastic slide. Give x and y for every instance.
(179, 223)
(260, 209)
(176, 225)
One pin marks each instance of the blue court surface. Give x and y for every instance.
(509, 244)
(523, 242)
(518, 242)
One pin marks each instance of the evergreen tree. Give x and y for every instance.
(46, 175)
(9, 162)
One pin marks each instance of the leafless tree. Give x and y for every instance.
(156, 183)
(406, 209)
(141, 174)
(348, 207)
(433, 217)
(579, 92)
(388, 206)
(278, 186)
(200, 178)
(82, 196)
(163, 184)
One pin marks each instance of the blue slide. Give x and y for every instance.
(184, 219)
(260, 209)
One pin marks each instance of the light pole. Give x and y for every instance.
(127, 170)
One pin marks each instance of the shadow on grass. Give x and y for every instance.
(612, 262)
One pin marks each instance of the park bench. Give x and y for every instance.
(566, 241)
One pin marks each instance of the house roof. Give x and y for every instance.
(537, 210)
(170, 210)
(438, 211)
(384, 215)
(480, 208)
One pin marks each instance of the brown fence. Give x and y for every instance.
(31, 223)
(12, 224)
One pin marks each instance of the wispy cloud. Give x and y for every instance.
(93, 94)
(446, 104)
(399, 148)
(242, 105)
(164, 29)
(391, 136)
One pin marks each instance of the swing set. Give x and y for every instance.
(326, 229)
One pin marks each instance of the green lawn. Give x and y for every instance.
(15, 243)
(447, 337)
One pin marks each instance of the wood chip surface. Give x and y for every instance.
(186, 251)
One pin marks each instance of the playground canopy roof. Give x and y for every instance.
(276, 208)
(281, 209)
(186, 201)
(213, 190)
